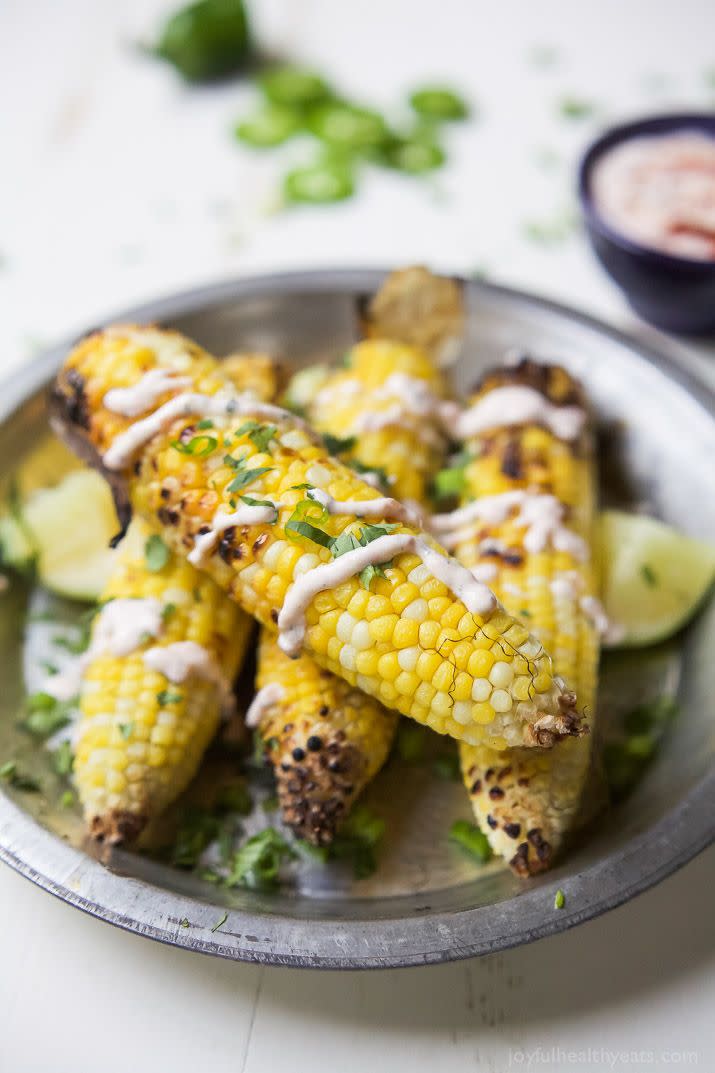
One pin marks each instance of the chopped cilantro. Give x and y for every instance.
(126, 730)
(184, 923)
(17, 779)
(259, 435)
(168, 696)
(447, 767)
(251, 502)
(649, 575)
(198, 446)
(197, 829)
(357, 841)
(559, 899)
(234, 797)
(379, 474)
(67, 799)
(299, 487)
(46, 715)
(373, 571)
(167, 611)
(257, 863)
(411, 741)
(243, 476)
(305, 522)
(220, 923)
(156, 553)
(338, 445)
(469, 838)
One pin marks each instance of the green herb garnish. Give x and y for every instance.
(126, 730)
(357, 841)
(220, 923)
(198, 446)
(439, 103)
(469, 838)
(167, 611)
(235, 797)
(46, 715)
(63, 759)
(559, 899)
(204, 423)
(377, 472)
(451, 481)
(305, 521)
(19, 781)
(207, 40)
(259, 435)
(576, 108)
(257, 863)
(338, 445)
(184, 923)
(649, 575)
(251, 502)
(156, 553)
(67, 799)
(167, 696)
(243, 476)
(197, 830)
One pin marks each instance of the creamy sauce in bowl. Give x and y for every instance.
(659, 191)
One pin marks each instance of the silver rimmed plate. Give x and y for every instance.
(426, 903)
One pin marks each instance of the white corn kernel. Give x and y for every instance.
(361, 638)
(500, 700)
(462, 712)
(346, 625)
(481, 689)
(273, 554)
(305, 563)
(501, 675)
(347, 657)
(407, 658)
(419, 575)
(417, 610)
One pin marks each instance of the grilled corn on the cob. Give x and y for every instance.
(526, 800)
(327, 740)
(410, 640)
(143, 731)
(142, 737)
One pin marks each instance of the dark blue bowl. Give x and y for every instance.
(674, 293)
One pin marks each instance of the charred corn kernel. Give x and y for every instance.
(182, 509)
(526, 800)
(124, 704)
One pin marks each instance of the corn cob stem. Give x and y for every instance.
(410, 640)
(526, 800)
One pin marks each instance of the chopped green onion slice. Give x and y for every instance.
(305, 521)
(318, 184)
(338, 445)
(471, 839)
(293, 86)
(272, 125)
(349, 127)
(200, 446)
(438, 102)
(414, 155)
(156, 553)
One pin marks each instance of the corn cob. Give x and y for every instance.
(325, 739)
(141, 738)
(526, 800)
(408, 640)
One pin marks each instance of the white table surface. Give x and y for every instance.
(118, 184)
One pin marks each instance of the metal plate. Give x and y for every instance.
(426, 903)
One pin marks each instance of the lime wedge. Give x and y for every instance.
(67, 530)
(654, 576)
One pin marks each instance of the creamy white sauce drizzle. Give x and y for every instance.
(514, 405)
(485, 572)
(541, 515)
(127, 443)
(187, 659)
(264, 699)
(119, 628)
(566, 585)
(475, 596)
(611, 632)
(247, 514)
(382, 507)
(140, 397)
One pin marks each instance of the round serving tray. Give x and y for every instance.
(426, 903)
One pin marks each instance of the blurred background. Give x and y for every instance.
(123, 181)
